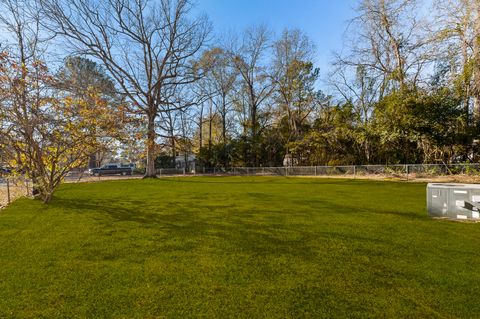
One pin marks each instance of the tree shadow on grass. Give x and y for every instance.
(275, 180)
(115, 211)
(344, 208)
(188, 229)
(229, 229)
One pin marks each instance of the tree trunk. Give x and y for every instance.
(465, 62)
(200, 129)
(224, 130)
(476, 65)
(47, 196)
(395, 46)
(253, 146)
(224, 137)
(150, 169)
(174, 150)
(200, 135)
(210, 127)
(366, 145)
(92, 160)
(224, 120)
(210, 133)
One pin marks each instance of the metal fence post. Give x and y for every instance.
(316, 173)
(354, 171)
(184, 171)
(407, 170)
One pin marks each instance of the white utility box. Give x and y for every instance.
(455, 201)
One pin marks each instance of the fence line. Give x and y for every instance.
(12, 187)
(396, 170)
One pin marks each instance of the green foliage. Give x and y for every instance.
(164, 161)
(417, 126)
(330, 141)
(80, 74)
(470, 170)
(218, 155)
(406, 126)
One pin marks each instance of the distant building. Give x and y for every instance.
(289, 160)
(188, 162)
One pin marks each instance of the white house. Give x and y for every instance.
(188, 162)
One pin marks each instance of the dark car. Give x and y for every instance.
(110, 169)
(5, 171)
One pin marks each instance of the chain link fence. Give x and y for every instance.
(13, 187)
(410, 171)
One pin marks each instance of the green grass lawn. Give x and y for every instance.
(236, 248)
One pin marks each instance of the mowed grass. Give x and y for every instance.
(236, 248)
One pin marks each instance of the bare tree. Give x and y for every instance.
(256, 83)
(21, 31)
(476, 61)
(147, 46)
(362, 92)
(218, 85)
(389, 42)
(187, 130)
(168, 122)
(454, 36)
(457, 34)
(222, 77)
(295, 78)
(19, 21)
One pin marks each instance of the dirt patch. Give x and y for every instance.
(463, 179)
(92, 179)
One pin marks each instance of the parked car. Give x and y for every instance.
(110, 169)
(5, 171)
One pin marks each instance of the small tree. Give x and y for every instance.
(49, 133)
(255, 85)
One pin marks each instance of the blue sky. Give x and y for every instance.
(323, 20)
